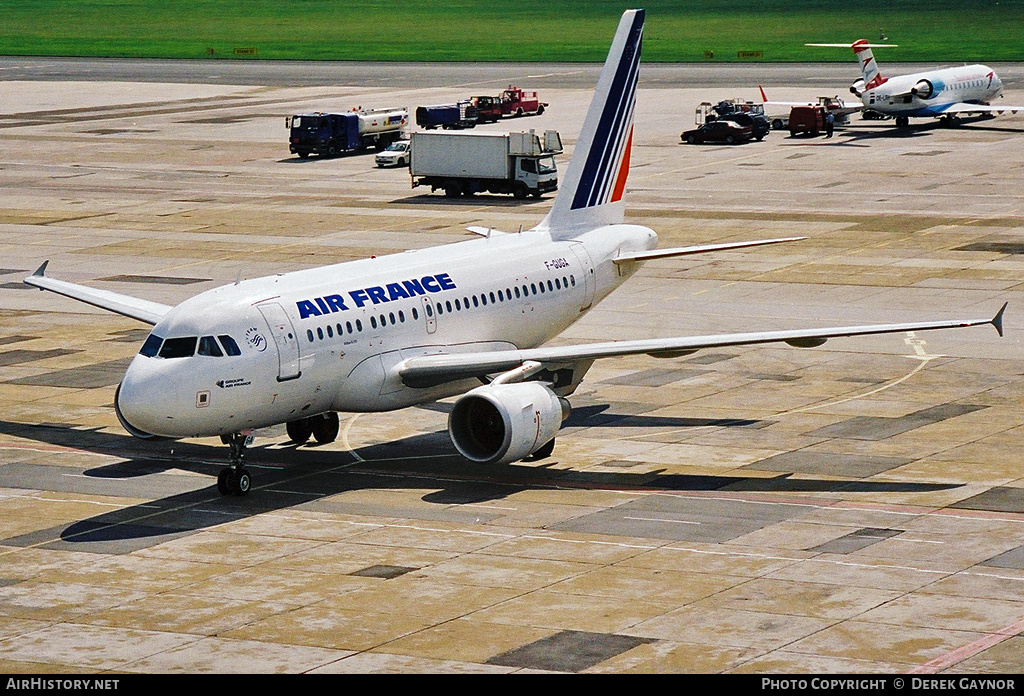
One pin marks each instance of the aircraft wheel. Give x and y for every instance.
(326, 427)
(222, 481)
(299, 431)
(240, 481)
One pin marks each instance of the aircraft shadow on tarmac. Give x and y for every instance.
(289, 477)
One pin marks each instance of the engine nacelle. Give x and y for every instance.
(923, 89)
(502, 423)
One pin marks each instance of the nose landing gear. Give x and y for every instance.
(235, 479)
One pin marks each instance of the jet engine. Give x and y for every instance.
(923, 89)
(502, 423)
(857, 88)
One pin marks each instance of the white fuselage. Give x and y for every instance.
(332, 338)
(936, 91)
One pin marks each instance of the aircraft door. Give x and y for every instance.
(428, 315)
(588, 280)
(284, 337)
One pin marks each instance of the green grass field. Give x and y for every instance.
(508, 30)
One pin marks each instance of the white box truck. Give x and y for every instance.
(522, 164)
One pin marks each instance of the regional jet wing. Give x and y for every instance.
(143, 310)
(966, 108)
(431, 370)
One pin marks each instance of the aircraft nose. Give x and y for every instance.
(130, 405)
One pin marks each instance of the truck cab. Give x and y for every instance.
(488, 109)
(516, 102)
(320, 133)
(535, 176)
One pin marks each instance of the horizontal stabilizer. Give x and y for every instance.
(126, 305)
(703, 249)
(484, 231)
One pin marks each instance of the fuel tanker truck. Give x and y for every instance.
(329, 135)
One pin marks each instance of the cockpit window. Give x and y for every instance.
(178, 347)
(152, 346)
(208, 346)
(230, 347)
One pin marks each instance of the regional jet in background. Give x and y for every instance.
(946, 93)
(393, 331)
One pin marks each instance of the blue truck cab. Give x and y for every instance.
(329, 135)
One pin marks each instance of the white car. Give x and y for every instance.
(396, 154)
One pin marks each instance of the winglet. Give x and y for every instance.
(764, 97)
(42, 269)
(997, 320)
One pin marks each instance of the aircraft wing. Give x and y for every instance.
(143, 310)
(431, 370)
(965, 108)
(841, 111)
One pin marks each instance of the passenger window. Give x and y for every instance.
(309, 335)
(359, 325)
(208, 346)
(330, 331)
(152, 346)
(178, 347)
(319, 333)
(230, 347)
(373, 322)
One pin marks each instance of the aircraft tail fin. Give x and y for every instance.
(591, 193)
(870, 75)
(868, 67)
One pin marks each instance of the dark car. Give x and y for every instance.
(759, 124)
(718, 132)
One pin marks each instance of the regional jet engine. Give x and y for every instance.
(923, 89)
(502, 423)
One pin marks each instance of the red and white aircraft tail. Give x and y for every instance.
(870, 74)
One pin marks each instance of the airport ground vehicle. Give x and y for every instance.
(329, 135)
(466, 163)
(759, 126)
(448, 116)
(516, 102)
(397, 154)
(808, 119)
(745, 113)
(728, 132)
(488, 109)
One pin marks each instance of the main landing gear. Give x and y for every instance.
(322, 428)
(235, 479)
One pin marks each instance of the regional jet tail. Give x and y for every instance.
(946, 93)
(393, 331)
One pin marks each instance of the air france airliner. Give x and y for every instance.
(947, 93)
(385, 333)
